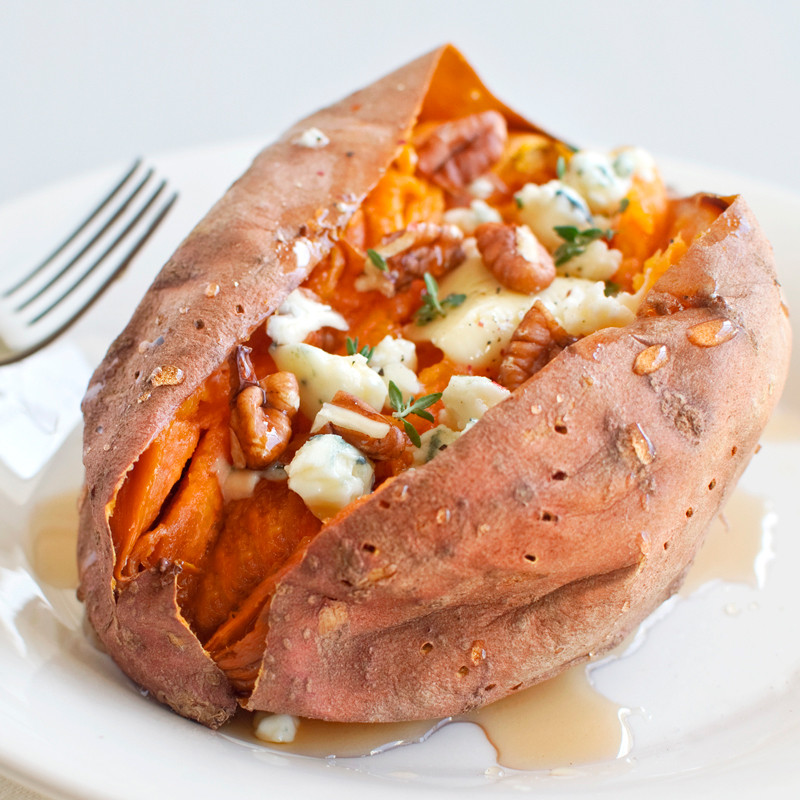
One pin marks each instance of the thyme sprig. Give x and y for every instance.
(432, 307)
(352, 348)
(413, 406)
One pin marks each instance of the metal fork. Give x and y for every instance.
(61, 288)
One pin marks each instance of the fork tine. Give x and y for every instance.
(102, 257)
(81, 227)
(86, 247)
(129, 255)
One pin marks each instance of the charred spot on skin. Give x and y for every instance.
(239, 308)
(369, 548)
(712, 485)
(666, 545)
(463, 672)
(490, 687)
(734, 450)
(559, 475)
(530, 557)
(514, 688)
(689, 512)
(548, 516)
(560, 427)
(199, 324)
(426, 648)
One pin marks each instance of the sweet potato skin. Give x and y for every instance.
(545, 533)
(258, 243)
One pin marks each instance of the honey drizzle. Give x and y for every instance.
(560, 722)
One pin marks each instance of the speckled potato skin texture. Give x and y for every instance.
(545, 533)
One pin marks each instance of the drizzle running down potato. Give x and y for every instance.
(456, 414)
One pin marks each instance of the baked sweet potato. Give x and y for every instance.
(476, 558)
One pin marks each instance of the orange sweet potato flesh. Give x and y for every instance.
(374, 616)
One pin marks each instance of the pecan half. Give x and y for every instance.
(408, 254)
(457, 152)
(515, 256)
(262, 413)
(538, 339)
(360, 425)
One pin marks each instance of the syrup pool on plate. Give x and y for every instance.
(561, 722)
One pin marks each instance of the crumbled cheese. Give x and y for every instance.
(280, 728)
(322, 374)
(468, 397)
(299, 315)
(351, 420)
(634, 162)
(481, 188)
(432, 442)
(475, 332)
(394, 350)
(582, 307)
(313, 138)
(395, 360)
(328, 473)
(604, 179)
(544, 207)
(467, 219)
(597, 262)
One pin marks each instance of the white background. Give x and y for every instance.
(88, 83)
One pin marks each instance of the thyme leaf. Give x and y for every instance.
(414, 406)
(352, 348)
(432, 307)
(576, 241)
(378, 260)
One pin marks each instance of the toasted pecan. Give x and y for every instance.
(457, 152)
(538, 339)
(515, 256)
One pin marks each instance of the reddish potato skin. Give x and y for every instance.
(445, 590)
(246, 246)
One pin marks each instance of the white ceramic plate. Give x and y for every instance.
(715, 688)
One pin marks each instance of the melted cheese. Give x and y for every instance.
(301, 314)
(475, 332)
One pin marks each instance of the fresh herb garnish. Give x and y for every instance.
(403, 409)
(352, 348)
(576, 241)
(611, 288)
(623, 204)
(518, 201)
(432, 307)
(378, 260)
(561, 167)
